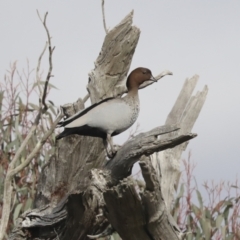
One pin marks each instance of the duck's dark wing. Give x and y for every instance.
(81, 113)
(84, 130)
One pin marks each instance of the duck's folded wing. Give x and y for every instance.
(112, 116)
(81, 113)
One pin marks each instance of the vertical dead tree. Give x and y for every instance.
(81, 195)
(185, 113)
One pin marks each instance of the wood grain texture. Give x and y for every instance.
(184, 113)
(143, 144)
(111, 198)
(108, 79)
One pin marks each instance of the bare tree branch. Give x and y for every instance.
(38, 68)
(103, 15)
(144, 144)
(86, 98)
(158, 77)
(50, 49)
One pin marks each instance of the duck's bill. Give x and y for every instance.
(153, 79)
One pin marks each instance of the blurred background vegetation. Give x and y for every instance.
(19, 95)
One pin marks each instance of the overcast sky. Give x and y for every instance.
(186, 37)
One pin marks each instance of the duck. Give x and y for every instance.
(111, 116)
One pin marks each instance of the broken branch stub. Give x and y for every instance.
(112, 65)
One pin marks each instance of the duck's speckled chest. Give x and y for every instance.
(134, 105)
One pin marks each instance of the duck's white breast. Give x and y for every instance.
(115, 115)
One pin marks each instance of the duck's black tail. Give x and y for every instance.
(65, 133)
(83, 131)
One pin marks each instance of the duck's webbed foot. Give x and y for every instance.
(108, 142)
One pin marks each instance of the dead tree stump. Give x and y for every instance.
(81, 195)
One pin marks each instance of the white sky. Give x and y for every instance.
(186, 37)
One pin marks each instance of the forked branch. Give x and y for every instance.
(144, 144)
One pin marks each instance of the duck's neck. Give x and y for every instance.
(133, 91)
(132, 87)
(132, 96)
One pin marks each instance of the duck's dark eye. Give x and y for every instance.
(144, 72)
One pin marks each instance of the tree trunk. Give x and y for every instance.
(81, 195)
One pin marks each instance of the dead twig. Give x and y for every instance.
(38, 68)
(86, 98)
(103, 15)
(158, 77)
(50, 49)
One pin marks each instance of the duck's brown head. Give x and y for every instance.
(139, 76)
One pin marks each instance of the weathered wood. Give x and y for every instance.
(112, 65)
(160, 224)
(125, 211)
(75, 216)
(143, 144)
(86, 212)
(184, 113)
(158, 77)
(108, 79)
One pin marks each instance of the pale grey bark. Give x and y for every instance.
(111, 198)
(112, 65)
(184, 113)
(143, 144)
(80, 194)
